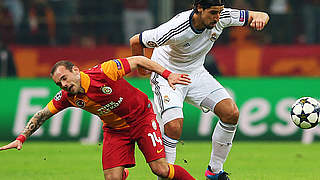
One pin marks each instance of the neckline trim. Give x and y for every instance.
(191, 25)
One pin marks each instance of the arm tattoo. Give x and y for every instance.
(36, 121)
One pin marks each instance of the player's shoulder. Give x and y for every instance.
(182, 17)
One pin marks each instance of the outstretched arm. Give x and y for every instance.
(34, 123)
(258, 20)
(144, 62)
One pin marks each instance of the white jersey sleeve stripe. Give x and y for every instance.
(169, 33)
(225, 13)
(157, 91)
(186, 26)
(225, 16)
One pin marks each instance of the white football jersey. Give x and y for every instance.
(179, 47)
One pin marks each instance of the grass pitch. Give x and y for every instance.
(247, 161)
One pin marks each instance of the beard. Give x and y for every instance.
(211, 25)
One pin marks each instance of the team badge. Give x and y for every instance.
(213, 37)
(152, 44)
(166, 99)
(80, 103)
(58, 96)
(106, 90)
(154, 124)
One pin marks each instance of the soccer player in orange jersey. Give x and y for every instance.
(126, 113)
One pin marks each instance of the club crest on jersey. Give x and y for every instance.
(106, 90)
(213, 37)
(152, 44)
(80, 103)
(58, 96)
(154, 124)
(166, 99)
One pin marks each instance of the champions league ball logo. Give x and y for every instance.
(58, 96)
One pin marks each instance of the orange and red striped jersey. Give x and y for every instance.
(107, 95)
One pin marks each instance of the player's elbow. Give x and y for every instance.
(134, 40)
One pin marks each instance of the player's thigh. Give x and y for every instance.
(205, 86)
(164, 96)
(149, 138)
(118, 149)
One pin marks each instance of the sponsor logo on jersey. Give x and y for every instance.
(166, 99)
(110, 106)
(106, 90)
(58, 96)
(213, 37)
(152, 44)
(80, 103)
(154, 124)
(242, 14)
(118, 64)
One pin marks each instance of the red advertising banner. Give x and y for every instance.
(245, 61)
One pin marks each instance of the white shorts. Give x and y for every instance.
(202, 85)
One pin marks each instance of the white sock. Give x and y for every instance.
(170, 148)
(221, 144)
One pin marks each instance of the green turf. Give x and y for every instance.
(247, 161)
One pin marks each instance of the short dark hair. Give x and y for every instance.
(67, 64)
(205, 4)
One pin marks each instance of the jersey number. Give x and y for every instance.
(154, 139)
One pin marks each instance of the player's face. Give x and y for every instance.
(67, 80)
(210, 17)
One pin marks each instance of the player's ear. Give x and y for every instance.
(199, 9)
(75, 69)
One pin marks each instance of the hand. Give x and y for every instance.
(259, 21)
(143, 71)
(15, 144)
(175, 78)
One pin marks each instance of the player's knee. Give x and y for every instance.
(160, 169)
(230, 116)
(173, 129)
(112, 176)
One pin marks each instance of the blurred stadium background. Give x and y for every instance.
(264, 71)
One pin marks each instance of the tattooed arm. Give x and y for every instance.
(34, 123)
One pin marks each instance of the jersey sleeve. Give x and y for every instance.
(59, 102)
(165, 33)
(116, 68)
(233, 17)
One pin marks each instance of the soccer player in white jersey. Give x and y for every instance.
(181, 45)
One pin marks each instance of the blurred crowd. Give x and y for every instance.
(96, 22)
